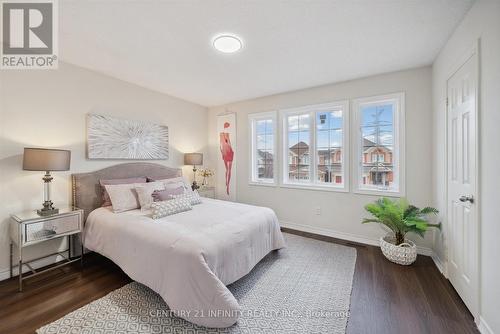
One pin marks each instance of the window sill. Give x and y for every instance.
(384, 193)
(265, 184)
(315, 187)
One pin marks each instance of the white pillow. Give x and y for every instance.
(170, 207)
(145, 193)
(192, 196)
(175, 182)
(123, 196)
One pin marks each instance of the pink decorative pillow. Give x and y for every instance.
(106, 201)
(165, 195)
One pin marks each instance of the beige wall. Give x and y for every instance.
(341, 213)
(48, 108)
(482, 22)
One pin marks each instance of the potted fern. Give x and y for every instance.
(400, 217)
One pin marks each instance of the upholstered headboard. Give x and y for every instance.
(87, 190)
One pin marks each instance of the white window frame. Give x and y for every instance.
(312, 110)
(398, 156)
(252, 119)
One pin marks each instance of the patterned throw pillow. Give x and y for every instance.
(170, 207)
(192, 196)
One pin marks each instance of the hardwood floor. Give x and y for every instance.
(386, 298)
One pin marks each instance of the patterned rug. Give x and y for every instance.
(305, 288)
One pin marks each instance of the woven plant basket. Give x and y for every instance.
(404, 254)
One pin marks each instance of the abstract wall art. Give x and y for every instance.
(116, 138)
(226, 165)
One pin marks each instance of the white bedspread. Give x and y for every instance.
(190, 257)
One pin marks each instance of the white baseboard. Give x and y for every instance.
(5, 273)
(330, 233)
(483, 327)
(439, 264)
(345, 236)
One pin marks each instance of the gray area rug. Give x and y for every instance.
(305, 288)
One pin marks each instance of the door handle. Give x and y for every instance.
(467, 198)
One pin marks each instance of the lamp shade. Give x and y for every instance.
(193, 159)
(42, 159)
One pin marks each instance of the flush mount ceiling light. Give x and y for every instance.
(227, 43)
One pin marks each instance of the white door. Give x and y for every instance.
(463, 230)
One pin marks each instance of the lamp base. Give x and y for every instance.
(195, 185)
(48, 209)
(43, 212)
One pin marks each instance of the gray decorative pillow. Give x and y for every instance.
(170, 207)
(192, 196)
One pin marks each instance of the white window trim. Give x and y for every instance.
(399, 144)
(312, 109)
(252, 176)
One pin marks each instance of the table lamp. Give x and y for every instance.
(48, 160)
(194, 159)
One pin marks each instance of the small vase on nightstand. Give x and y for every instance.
(204, 183)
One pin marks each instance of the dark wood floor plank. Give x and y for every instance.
(48, 299)
(386, 298)
(445, 307)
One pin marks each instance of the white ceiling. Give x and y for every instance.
(288, 45)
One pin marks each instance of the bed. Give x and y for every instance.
(187, 258)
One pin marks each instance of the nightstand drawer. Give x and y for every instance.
(50, 228)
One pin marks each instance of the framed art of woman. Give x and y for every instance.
(227, 160)
(227, 153)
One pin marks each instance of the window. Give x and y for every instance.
(313, 146)
(378, 157)
(299, 142)
(379, 123)
(263, 150)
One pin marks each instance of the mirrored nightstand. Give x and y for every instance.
(28, 228)
(208, 192)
